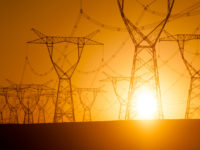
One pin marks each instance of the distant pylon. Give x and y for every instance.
(86, 102)
(64, 105)
(28, 101)
(122, 101)
(2, 106)
(13, 104)
(41, 109)
(144, 73)
(44, 98)
(193, 100)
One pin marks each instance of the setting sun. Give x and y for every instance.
(100, 74)
(146, 105)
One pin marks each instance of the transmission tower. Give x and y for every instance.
(193, 100)
(122, 101)
(2, 106)
(27, 99)
(44, 99)
(13, 104)
(25, 102)
(86, 102)
(64, 91)
(144, 73)
(41, 109)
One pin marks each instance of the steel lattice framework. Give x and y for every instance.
(25, 97)
(2, 105)
(86, 102)
(193, 100)
(122, 101)
(144, 72)
(64, 105)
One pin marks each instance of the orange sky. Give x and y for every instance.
(58, 18)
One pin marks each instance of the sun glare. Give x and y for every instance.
(146, 105)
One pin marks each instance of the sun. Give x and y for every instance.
(146, 105)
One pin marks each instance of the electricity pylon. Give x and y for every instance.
(64, 91)
(13, 104)
(43, 101)
(41, 108)
(144, 73)
(122, 101)
(29, 96)
(27, 102)
(193, 100)
(86, 102)
(15, 95)
(2, 106)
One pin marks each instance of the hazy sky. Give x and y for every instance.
(57, 17)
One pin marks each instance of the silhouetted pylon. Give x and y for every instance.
(64, 105)
(193, 100)
(41, 108)
(44, 98)
(122, 101)
(144, 72)
(13, 104)
(2, 106)
(87, 102)
(28, 99)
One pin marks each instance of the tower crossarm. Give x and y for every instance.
(44, 39)
(181, 37)
(187, 37)
(115, 78)
(97, 90)
(57, 39)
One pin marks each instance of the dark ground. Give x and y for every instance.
(112, 135)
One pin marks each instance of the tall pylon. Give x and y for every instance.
(64, 105)
(122, 101)
(86, 102)
(144, 72)
(193, 100)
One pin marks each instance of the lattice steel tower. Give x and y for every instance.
(144, 73)
(13, 104)
(193, 100)
(122, 101)
(64, 105)
(44, 99)
(2, 105)
(86, 102)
